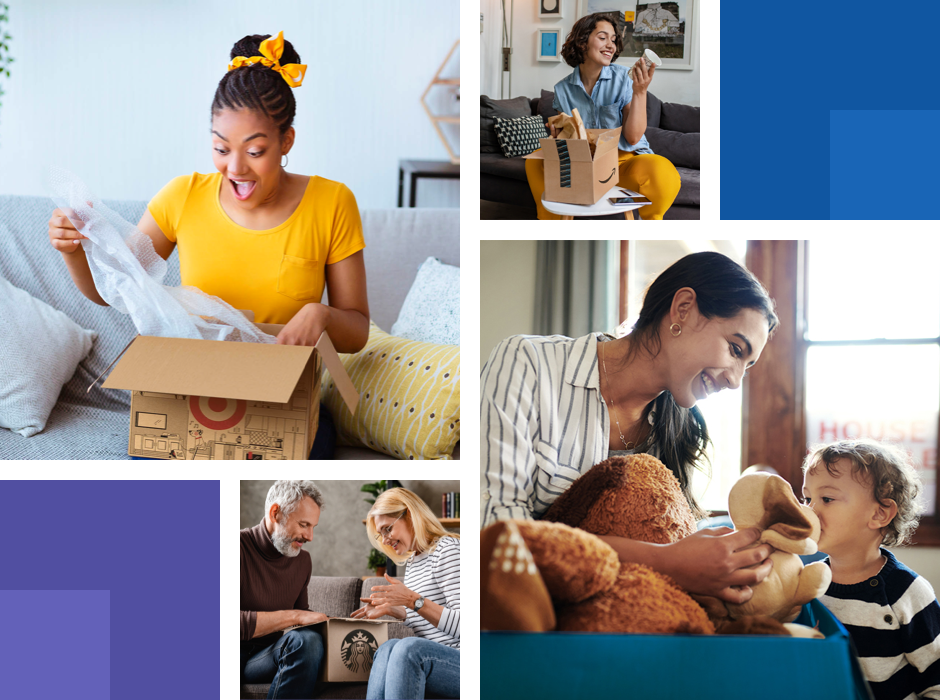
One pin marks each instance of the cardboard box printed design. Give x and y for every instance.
(350, 645)
(572, 173)
(205, 399)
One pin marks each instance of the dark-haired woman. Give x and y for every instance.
(252, 233)
(552, 407)
(607, 98)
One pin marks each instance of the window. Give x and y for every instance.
(641, 263)
(857, 355)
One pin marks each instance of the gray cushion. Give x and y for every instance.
(335, 596)
(546, 105)
(654, 109)
(684, 118)
(689, 193)
(681, 149)
(505, 109)
(500, 166)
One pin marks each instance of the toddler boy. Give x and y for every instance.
(865, 494)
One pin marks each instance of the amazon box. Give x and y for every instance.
(209, 399)
(350, 646)
(572, 174)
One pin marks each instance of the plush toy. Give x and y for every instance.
(557, 573)
(766, 501)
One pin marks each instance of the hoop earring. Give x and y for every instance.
(676, 330)
(284, 165)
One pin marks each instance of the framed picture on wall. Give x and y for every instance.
(666, 28)
(548, 45)
(550, 9)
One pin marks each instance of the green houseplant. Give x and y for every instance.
(5, 59)
(375, 488)
(377, 562)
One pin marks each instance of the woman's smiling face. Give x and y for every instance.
(711, 354)
(601, 44)
(395, 532)
(247, 150)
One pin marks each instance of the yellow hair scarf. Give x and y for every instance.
(271, 51)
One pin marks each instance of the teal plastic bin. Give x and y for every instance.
(573, 665)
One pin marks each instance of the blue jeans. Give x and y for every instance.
(403, 668)
(324, 445)
(291, 664)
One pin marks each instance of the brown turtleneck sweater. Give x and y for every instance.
(269, 581)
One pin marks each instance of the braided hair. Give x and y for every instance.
(257, 87)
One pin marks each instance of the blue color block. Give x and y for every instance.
(868, 182)
(782, 74)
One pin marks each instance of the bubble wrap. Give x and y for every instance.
(128, 274)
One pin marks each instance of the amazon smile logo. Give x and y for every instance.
(609, 176)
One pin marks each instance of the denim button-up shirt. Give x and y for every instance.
(603, 109)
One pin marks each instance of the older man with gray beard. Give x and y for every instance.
(275, 571)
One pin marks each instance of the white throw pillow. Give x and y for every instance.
(40, 349)
(431, 312)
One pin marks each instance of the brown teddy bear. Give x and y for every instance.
(557, 573)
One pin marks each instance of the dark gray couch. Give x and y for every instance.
(672, 131)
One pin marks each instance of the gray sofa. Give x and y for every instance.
(94, 425)
(336, 596)
(672, 131)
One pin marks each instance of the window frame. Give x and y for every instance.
(774, 405)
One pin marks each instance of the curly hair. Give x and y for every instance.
(576, 41)
(890, 472)
(257, 87)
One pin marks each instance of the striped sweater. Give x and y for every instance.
(543, 422)
(894, 621)
(435, 574)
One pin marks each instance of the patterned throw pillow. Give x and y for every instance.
(519, 137)
(409, 397)
(431, 312)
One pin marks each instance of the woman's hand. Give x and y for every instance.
(642, 76)
(396, 593)
(718, 562)
(306, 326)
(370, 611)
(63, 234)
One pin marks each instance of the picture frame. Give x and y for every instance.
(548, 45)
(551, 9)
(668, 28)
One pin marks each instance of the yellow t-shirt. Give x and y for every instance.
(273, 272)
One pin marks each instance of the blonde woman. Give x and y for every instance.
(401, 525)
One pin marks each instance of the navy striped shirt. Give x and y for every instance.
(543, 422)
(435, 574)
(894, 620)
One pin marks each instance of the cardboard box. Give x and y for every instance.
(350, 647)
(206, 399)
(572, 174)
(730, 667)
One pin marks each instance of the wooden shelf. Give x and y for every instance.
(446, 81)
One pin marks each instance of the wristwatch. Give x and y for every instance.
(419, 603)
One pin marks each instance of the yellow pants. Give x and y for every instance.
(652, 176)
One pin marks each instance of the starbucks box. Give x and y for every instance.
(351, 645)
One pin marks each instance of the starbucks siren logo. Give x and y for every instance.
(357, 651)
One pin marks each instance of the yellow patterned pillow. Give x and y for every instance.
(409, 397)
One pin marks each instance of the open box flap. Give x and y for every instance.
(607, 140)
(248, 371)
(343, 383)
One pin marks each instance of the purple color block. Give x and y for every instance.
(150, 548)
(55, 644)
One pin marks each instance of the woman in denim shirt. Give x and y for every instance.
(606, 98)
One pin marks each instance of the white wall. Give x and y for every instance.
(507, 292)
(119, 91)
(490, 47)
(530, 76)
(924, 560)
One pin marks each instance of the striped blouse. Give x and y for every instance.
(894, 621)
(543, 422)
(435, 574)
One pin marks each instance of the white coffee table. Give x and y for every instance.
(602, 208)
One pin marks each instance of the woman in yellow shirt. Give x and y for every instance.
(252, 233)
